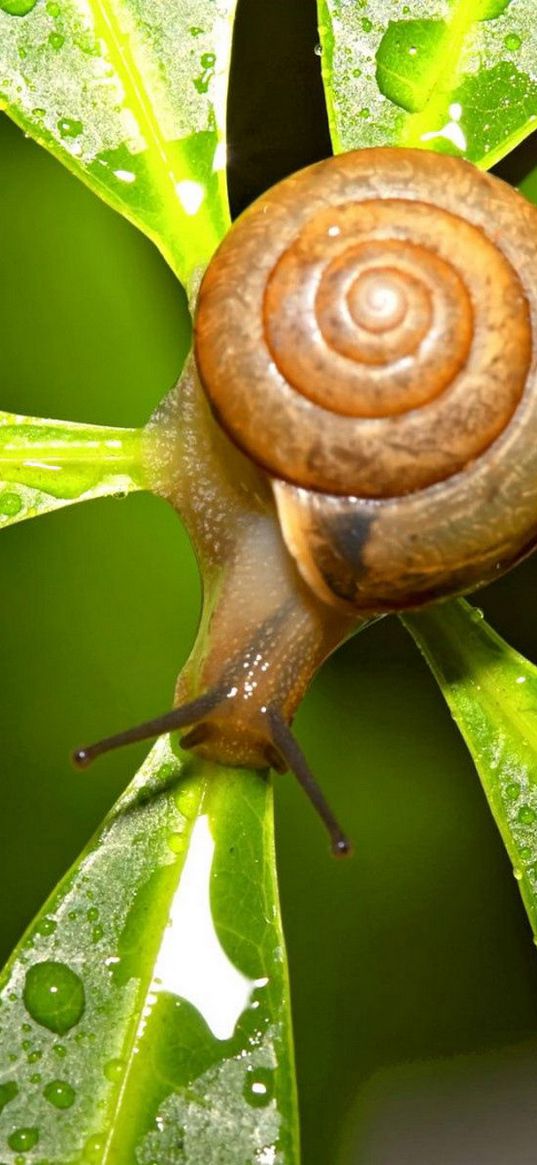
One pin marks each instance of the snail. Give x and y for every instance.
(355, 433)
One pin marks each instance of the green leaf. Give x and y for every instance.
(130, 95)
(145, 1014)
(459, 77)
(491, 691)
(48, 464)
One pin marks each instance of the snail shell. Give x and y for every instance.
(365, 334)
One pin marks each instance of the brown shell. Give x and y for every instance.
(365, 334)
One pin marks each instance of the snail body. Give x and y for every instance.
(355, 434)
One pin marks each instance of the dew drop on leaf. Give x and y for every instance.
(47, 926)
(113, 1069)
(8, 1091)
(60, 1094)
(10, 503)
(512, 42)
(93, 1149)
(69, 127)
(409, 58)
(56, 40)
(526, 815)
(54, 996)
(489, 9)
(259, 1087)
(23, 1139)
(17, 7)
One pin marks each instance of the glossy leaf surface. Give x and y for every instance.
(491, 691)
(145, 1013)
(458, 76)
(129, 95)
(48, 464)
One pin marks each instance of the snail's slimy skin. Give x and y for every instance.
(365, 333)
(263, 632)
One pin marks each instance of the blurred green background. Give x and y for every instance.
(413, 972)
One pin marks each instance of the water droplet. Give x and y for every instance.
(517, 873)
(367, 24)
(10, 503)
(56, 40)
(92, 914)
(23, 1139)
(60, 1050)
(364, 113)
(93, 1148)
(512, 791)
(318, 50)
(69, 127)
(207, 61)
(526, 815)
(17, 7)
(97, 934)
(259, 1087)
(47, 926)
(54, 996)
(113, 1069)
(176, 842)
(34, 1057)
(195, 30)
(53, 9)
(36, 1078)
(60, 1094)
(39, 111)
(489, 9)
(526, 852)
(8, 1091)
(512, 42)
(408, 61)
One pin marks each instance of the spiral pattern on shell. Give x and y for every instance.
(365, 328)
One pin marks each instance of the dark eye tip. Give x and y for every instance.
(342, 847)
(81, 758)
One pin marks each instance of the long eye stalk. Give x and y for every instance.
(177, 718)
(296, 762)
(283, 747)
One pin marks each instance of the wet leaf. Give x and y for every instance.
(491, 691)
(48, 464)
(130, 95)
(459, 77)
(145, 1014)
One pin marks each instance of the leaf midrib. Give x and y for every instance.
(125, 64)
